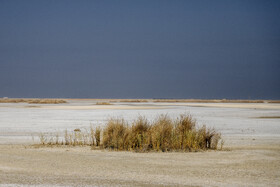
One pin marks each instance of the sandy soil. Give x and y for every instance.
(80, 166)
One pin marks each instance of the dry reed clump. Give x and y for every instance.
(139, 134)
(273, 101)
(6, 100)
(134, 100)
(46, 101)
(163, 134)
(115, 135)
(97, 136)
(33, 101)
(103, 103)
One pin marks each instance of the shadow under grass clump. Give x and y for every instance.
(163, 134)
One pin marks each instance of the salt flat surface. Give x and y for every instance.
(251, 156)
(20, 121)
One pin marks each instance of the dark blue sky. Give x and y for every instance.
(140, 49)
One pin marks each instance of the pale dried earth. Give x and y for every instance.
(251, 156)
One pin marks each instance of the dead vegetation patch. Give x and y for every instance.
(33, 101)
(134, 100)
(103, 103)
(269, 117)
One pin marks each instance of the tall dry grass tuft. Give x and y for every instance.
(163, 134)
(139, 138)
(184, 133)
(66, 138)
(97, 136)
(115, 135)
(92, 136)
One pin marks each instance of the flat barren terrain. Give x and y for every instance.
(81, 166)
(251, 155)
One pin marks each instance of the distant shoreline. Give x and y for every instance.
(63, 100)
